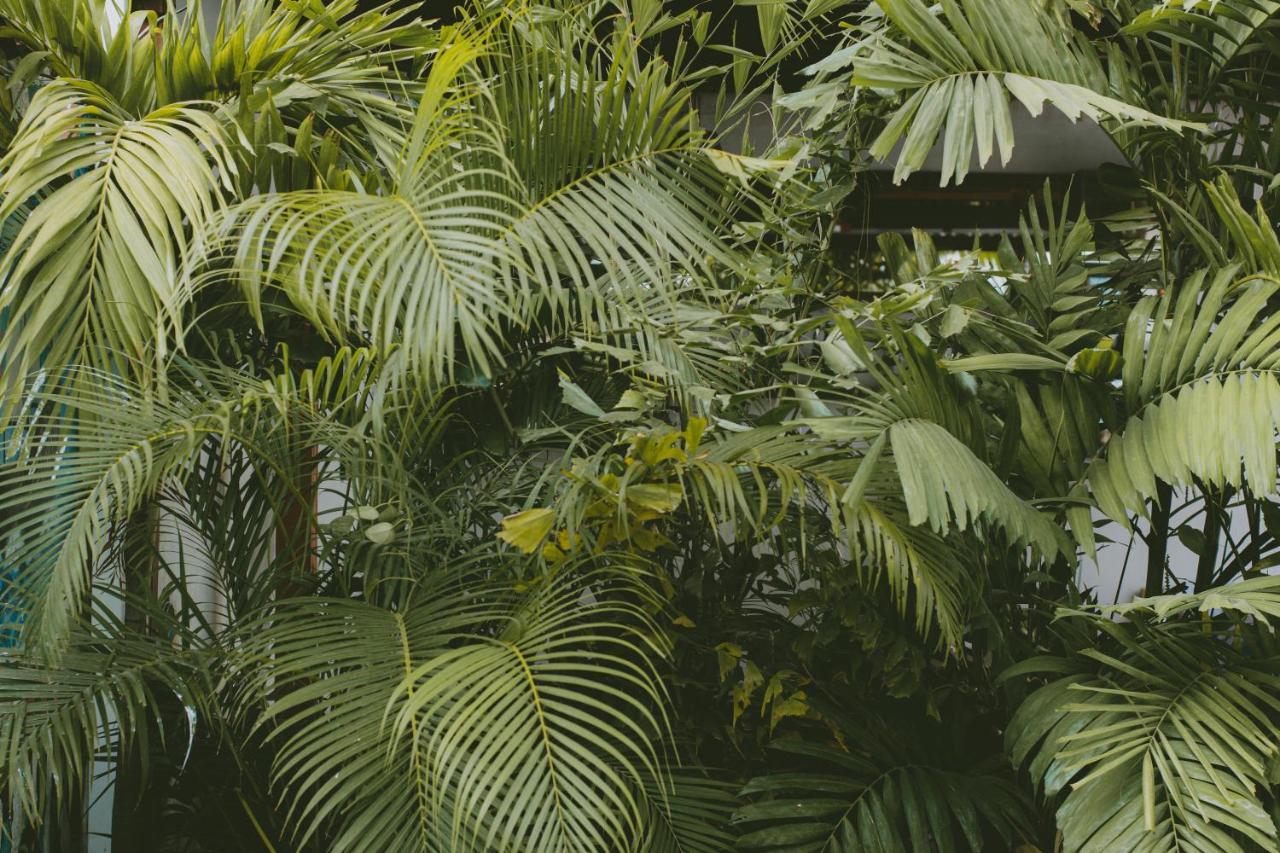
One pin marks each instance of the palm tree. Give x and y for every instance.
(429, 436)
(252, 235)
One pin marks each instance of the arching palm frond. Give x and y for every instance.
(1211, 354)
(418, 266)
(495, 724)
(944, 483)
(544, 194)
(1164, 745)
(99, 451)
(560, 707)
(357, 654)
(81, 42)
(923, 573)
(1256, 599)
(341, 55)
(94, 267)
(960, 68)
(915, 419)
(846, 801)
(689, 815)
(739, 478)
(623, 193)
(101, 696)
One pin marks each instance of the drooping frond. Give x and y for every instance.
(97, 452)
(623, 193)
(492, 724)
(558, 706)
(1164, 746)
(688, 815)
(944, 483)
(849, 802)
(537, 187)
(1205, 362)
(918, 409)
(922, 572)
(1257, 599)
(418, 266)
(332, 744)
(94, 268)
(958, 69)
(100, 697)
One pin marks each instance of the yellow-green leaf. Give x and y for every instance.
(526, 530)
(658, 497)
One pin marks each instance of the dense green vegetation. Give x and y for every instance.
(456, 436)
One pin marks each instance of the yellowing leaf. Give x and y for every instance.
(683, 621)
(795, 705)
(727, 657)
(752, 678)
(659, 497)
(632, 399)
(526, 530)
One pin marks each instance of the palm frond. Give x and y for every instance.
(960, 67)
(1222, 30)
(622, 189)
(1257, 248)
(94, 267)
(497, 724)
(919, 410)
(944, 483)
(851, 802)
(543, 195)
(688, 814)
(1206, 359)
(80, 42)
(342, 57)
(325, 772)
(101, 696)
(1256, 599)
(558, 707)
(923, 572)
(1164, 746)
(96, 453)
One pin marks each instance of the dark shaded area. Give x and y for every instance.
(986, 205)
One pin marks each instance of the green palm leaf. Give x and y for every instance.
(94, 266)
(556, 709)
(688, 815)
(1255, 598)
(101, 696)
(1211, 354)
(851, 803)
(534, 196)
(1165, 748)
(100, 451)
(959, 69)
(496, 724)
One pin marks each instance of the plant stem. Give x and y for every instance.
(1209, 551)
(135, 799)
(1158, 540)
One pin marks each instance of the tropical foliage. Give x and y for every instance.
(468, 434)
